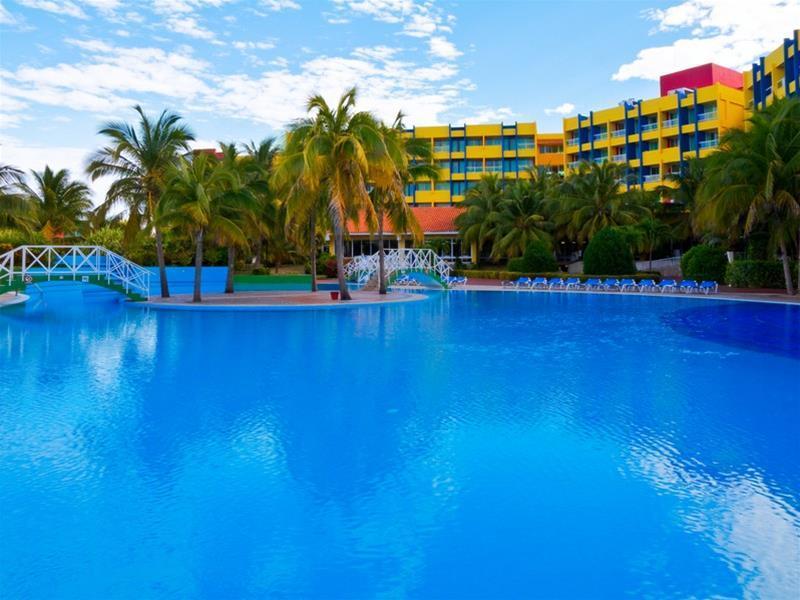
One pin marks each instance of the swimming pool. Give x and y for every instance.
(472, 445)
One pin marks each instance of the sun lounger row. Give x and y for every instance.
(406, 281)
(688, 286)
(455, 282)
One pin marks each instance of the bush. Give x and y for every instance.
(15, 237)
(704, 262)
(608, 252)
(260, 271)
(517, 265)
(758, 274)
(107, 237)
(330, 267)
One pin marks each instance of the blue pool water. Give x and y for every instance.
(473, 445)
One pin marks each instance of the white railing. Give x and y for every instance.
(707, 116)
(618, 157)
(28, 262)
(363, 267)
(669, 123)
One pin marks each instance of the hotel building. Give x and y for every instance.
(774, 76)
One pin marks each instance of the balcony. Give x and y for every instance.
(618, 133)
(618, 158)
(600, 160)
(599, 137)
(649, 126)
(573, 142)
(652, 178)
(712, 143)
(574, 164)
(670, 123)
(707, 116)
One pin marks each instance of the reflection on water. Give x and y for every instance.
(476, 445)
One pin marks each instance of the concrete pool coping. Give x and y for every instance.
(276, 301)
(12, 299)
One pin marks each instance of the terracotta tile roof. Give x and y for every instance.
(432, 219)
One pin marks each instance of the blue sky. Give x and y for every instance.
(241, 69)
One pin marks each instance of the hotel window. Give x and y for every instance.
(474, 141)
(509, 165)
(550, 149)
(457, 145)
(456, 166)
(494, 166)
(443, 164)
(442, 186)
(474, 166)
(509, 143)
(423, 186)
(469, 185)
(525, 142)
(409, 189)
(459, 188)
(649, 145)
(493, 141)
(525, 163)
(441, 145)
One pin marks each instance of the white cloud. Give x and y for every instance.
(278, 5)
(562, 109)
(441, 47)
(6, 18)
(728, 32)
(253, 45)
(488, 115)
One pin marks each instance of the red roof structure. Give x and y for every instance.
(432, 219)
(701, 76)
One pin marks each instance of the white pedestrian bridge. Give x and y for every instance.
(364, 267)
(89, 264)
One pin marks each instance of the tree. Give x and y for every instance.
(60, 204)
(649, 233)
(591, 199)
(335, 150)
(411, 159)
(754, 181)
(15, 209)
(682, 196)
(139, 157)
(521, 218)
(608, 253)
(195, 199)
(478, 223)
(266, 220)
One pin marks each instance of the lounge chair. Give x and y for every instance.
(667, 285)
(647, 285)
(593, 284)
(689, 286)
(520, 282)
(557, 283)
(573, 283)
(628, 285)
(539, 283)
(709, 287)
(611, 283)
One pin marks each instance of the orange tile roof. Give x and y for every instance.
(432, 219)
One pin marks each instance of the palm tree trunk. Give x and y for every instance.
(198, 266)
(650, 268)
(312, 245)
(162, 267)
(381, 257)
(259, 251)
(231, 266)
(338, 242)
(798, 261)
(787, 270)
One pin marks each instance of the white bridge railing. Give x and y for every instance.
(361, 268)
(29, 262)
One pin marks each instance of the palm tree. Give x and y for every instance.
(521, 218)
(411, 159)
(591, 199)
(60, 205)
(15, 209)
(265, 221)
(478, 223)
(649, 233)
(334, 150)
(677, 213)
(138, 157)
(753, 181)
(195, 188)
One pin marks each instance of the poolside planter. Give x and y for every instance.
(334, 295)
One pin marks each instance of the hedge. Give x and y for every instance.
(704, 262)
(537, 257)
(758, 274)
(509, 275)
(608, 251)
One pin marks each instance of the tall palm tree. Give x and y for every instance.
(648, 234)
(411, 159)
(677, 213)
(522, 218)
(335, 150)
(591, 199)
(195, 200)
(138, 156)
(478, 223)
(61, 205)
(15, 209)
(258, 160)
(753, 181)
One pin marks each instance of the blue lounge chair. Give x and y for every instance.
(573, 283)
(539, 283)
(557, 283)
(593, 284)
(667, 285)
(520, 282)
(709, 287)
(611, 283)
(647, 285)
(628, 285)
(453, 282)
(689, 286)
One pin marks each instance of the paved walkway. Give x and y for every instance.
(12, 298)
(280, 299)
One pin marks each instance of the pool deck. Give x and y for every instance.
(276, 300)
(11, 298)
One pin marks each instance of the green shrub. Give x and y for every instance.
(539, 257)
(608, 252)
(517, 265)
(15, 237)
(107, 237)
(260, 271)
(704, 262)
(758, 274)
